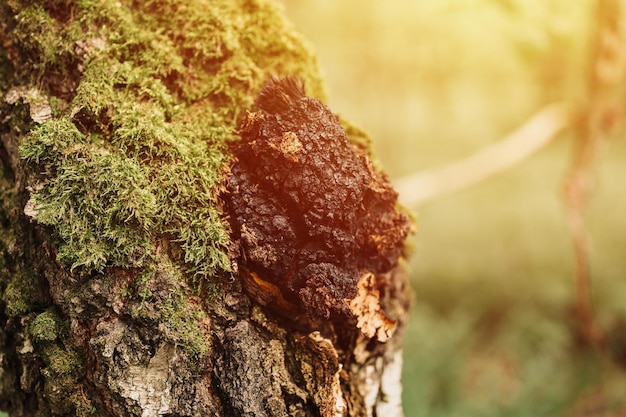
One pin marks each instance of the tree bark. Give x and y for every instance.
(134, 280)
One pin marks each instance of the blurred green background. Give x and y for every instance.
(492, 329)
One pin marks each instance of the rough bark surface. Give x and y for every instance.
(124, 291)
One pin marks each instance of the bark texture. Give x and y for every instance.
(124, 289)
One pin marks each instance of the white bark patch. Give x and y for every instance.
(149, 385)
(390, 403)
(372, 386)
(31, 208)
(380, 384)
(27, 347)
(40, 109)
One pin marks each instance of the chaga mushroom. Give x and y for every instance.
(318, 227)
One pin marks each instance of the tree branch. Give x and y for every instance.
(537, 132)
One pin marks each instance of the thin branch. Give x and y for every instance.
(603, 114)
(577, 188)
(533, 135)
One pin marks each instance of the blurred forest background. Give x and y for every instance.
(493, 329)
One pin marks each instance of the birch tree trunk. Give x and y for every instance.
(144, 269)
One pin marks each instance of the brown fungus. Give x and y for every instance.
(311, 214)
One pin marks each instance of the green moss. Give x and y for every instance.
(20, 293)
(16, 300)
(159, 297)
(46, 42)
(98, 202)
(60, 361)
(48, 330)
(45, 327)
(139, 152)
(182, 321)
(38, 33)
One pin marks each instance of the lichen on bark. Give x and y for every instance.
(118, 291)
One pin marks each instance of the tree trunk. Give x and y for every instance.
(169, 246)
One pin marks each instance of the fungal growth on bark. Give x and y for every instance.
(317, 225)
(139, 275)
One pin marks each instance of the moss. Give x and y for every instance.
(182, 319)
(98, 201)
(16, 299)
(38, 33)
(48, 330)
(20, 295)
(46, 44)
(61, 383)
(45, 326)
(60, 361)
(158, 296)
(138, 151)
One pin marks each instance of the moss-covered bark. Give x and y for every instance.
(119, 289)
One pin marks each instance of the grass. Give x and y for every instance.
(492, 330)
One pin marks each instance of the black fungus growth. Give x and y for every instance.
(309, 211)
